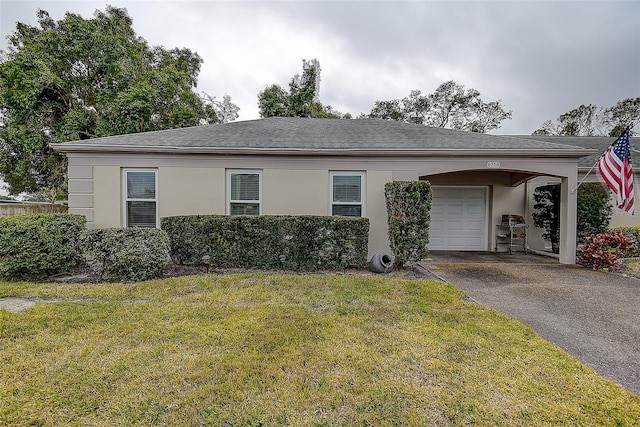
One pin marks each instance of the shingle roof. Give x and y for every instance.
(598, 143)
(321, 134)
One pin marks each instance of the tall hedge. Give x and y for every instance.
(408, 209)
(33, 247)
(126, 254)
(303, 243)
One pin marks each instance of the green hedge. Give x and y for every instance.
(126, 254)
(33, 247)
(408, 209)
(303, 243)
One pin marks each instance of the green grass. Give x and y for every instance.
(630, 266)
(270, 350)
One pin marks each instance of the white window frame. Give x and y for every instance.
(231, 172)
(363, 191)
(125, 197)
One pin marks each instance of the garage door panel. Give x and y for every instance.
(455, 210)
(475, 210)
(455, 226)
(459, 219)
(475, 241)
(457, 241)
(475, 225)
(478, 193)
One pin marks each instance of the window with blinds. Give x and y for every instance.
(244, 192)
(140, 194)
(347, 193)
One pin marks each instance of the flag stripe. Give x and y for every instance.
(616, 171)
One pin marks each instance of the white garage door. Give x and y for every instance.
(458, 219)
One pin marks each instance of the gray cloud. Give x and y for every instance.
(541, 58)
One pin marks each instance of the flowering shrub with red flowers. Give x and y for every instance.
(602, 251)
(632, 233)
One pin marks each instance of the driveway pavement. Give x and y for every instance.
(592, 315)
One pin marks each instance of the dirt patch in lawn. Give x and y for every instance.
(15, 305)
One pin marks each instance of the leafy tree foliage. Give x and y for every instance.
(588, 120)
(594, 209)
(449, 106)
(225, 110)
(546, 212)
(82, 78)
(625, 113)
(301, 100)
(547, 128)
(581, 121)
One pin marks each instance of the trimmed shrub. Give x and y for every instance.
(304, 243)
(33, 247)
(189, 237)
(594, 209)
(126, 254)
(408, 209)
(602, 251)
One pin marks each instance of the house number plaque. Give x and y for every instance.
(493, 165)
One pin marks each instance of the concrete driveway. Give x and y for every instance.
(592, 315)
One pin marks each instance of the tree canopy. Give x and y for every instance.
(589, 120)
(301, 100)
(450, 105)
(82, 78)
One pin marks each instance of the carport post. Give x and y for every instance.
(568, 219)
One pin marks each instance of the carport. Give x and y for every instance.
(472, 192)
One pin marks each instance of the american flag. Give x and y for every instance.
(615, 169)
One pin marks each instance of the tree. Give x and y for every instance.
(546, 212)
(225, 110)
(588, 120)
(579, 121)
(594, 209)
(301, 100)
(273, 101)
(547, 128)
(411, 109)
(82, 78)
(449, 106)
(389, 110)
(625, 113)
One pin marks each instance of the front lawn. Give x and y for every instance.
(299, 350)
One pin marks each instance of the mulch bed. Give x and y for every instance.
(83, 274)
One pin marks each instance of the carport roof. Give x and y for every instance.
(305, 135)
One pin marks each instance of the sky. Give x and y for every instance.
(541, 58)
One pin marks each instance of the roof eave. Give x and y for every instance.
(424, 152)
